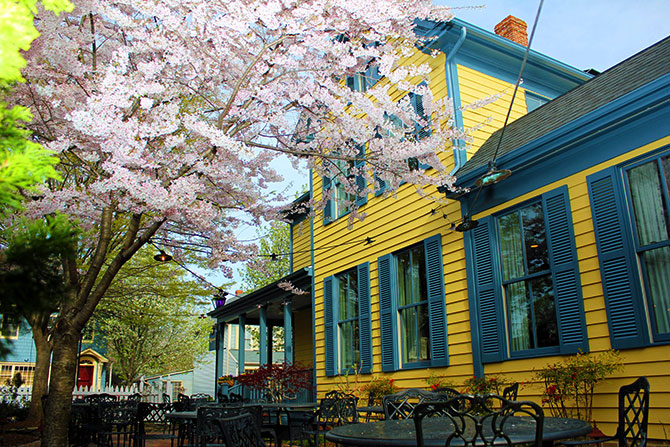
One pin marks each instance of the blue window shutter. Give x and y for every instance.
(565, 271)
(437, 315)
(388, 314)
(328, 209)
(382, 187)
(488, 295)
(618, 266)
(361, 183)
(330, 324)
(364, 318)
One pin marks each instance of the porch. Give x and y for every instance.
(267, 308)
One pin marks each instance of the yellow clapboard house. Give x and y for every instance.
(568, 254)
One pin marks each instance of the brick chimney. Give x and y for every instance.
(513, 29)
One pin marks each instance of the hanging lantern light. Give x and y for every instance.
(162, 256)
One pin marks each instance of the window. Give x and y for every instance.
(412, 307)
(526, 296)
(9, 325)
(347, 327)
(630, 205)
(350, 352)
(527, 282)
(361, 82)
(415, 131)
(340, 201)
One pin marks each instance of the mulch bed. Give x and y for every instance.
(18, 433)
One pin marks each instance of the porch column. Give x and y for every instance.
(240, 344)
(263, 332)
(288, 332)
(220, 352)
(271, 332)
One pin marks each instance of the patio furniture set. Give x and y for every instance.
(411, 417)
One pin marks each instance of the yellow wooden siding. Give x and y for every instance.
(475, 86)
(653, 362)
(301, 245)
(302, 340)
(398, 222)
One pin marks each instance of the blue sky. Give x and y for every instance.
(582, 33)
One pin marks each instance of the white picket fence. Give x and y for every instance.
(149, 394)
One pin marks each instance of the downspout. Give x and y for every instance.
(460, 155)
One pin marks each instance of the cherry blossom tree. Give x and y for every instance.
(166, 115)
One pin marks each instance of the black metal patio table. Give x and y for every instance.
(401, 433)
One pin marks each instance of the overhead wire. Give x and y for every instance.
(491, 163)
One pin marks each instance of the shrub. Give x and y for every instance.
(485, 385)
(434, 381)
(278, 381)
(380, 387)
(570, 383)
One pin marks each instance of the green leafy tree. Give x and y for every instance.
(151, 318)
(273, 260)
(32, 286)
(272, 264)
(24, 164)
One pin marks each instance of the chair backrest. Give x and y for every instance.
(337, 408)
(633, 414)
(480, 419)
(124, 413)
(241, 430)
(451, 392)
(166, 398)
(401, 405)
(510, 392)
(137, 397)
(206, 425)
(101, 397)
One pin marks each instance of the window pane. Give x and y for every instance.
(519, 316)
(511, 247)
(356, 345)
(657, 263)
(424, 333)
(342, 296)
(544, 309)
(537, 254)
(349, 349)
(650, 213)
(352, 295)
(408, 319)
(419, 292)
(404, 278)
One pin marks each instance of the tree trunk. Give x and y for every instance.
(59, 404)
(41, 375)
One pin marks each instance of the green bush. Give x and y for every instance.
(570, 383)
(485, 385)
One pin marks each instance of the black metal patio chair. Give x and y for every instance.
(511, 392)
(100, 397)
(241, 430)
(120, 424)
(154, 416)
(451, 392)
(401, 405)
(480, 419)
(633, 418)
(335, 409)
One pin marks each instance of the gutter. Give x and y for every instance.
(460, 156)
